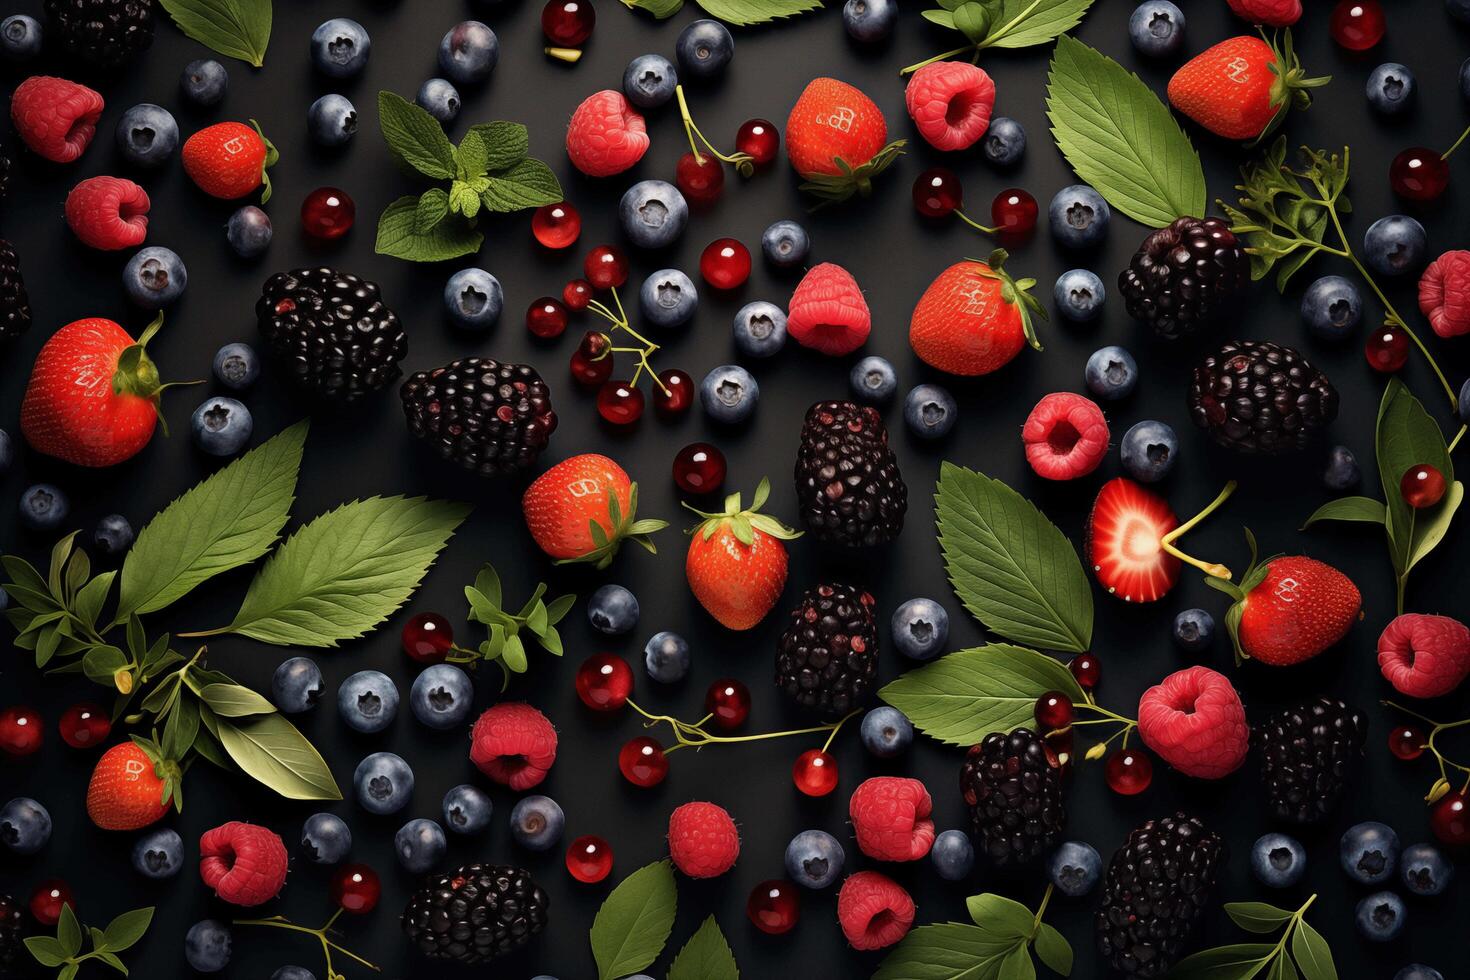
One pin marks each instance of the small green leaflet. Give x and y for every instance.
(235, 28)
(1023, 23)
(737, 12)
(415, 137)
(1309, 958)
(706, 956)
(1283, 213)
(64, 950)
(269, 749)
(399, 237)
(634, 922)
(996, 947)
(527, 184)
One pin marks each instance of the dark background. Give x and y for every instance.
(894, 254)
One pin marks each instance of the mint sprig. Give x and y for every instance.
(998, 945)
(504, 646)
(1299, 943)
(64, 950)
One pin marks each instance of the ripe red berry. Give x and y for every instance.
(327, 213)
(1059, 742)
(728, 703)
(48, 898)
(85, 725)
(677, 394)
(1053, 711)
(568, 23)
(427, 638)
(606, 267)
(547, 318)
(620, 403)
(937, 192)
(1128, 772)
(759, 140)
(642, 762)
(589, 859)
(773, 906)
(604, 682)
(1406, 743)
(1450, 819)
(577, 294)
(699, 468)
(700, 180)
(815, 772)
(1386, 349)
(1085, 668)
(356, 888)
(725, 263)
(1419, 174)
(20, 730)
(1357, 24)
(591, 362)
(556, 225)
(1013, 213)
(1422, 486)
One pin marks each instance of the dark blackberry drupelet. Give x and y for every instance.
(5, 165)
(1012, 783)
(1308, 753)
(484, 415)
(100, 33)
(847, 481)
(12, 934)
(476, 913)
(333, 332)
(15, 302)
(827, 660)
(1156, 886)
(1259, 397)
(1182, 273)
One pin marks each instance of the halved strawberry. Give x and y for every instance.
(1125, 542)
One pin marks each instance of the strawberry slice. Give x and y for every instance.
(1125, 542)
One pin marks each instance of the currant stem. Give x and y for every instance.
(1456, 145)
(619, 320)
(1167, 541)
(1436, 728)
(939, 57)
(686, 734)
(975, 224)
(1456, 440)
(1041, 909)
(744, 163)
(328, 946)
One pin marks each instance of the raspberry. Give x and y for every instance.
(108, 213)
(827, 311)
(1194, 721)
(605, 136)
(874, 910)
(1444, 293)
(703, 840)
(54, 117)
(1271, 13)
(1066, 436)
(244, 863)
(890, 816)
(513, 744)
(950, 103)
(1424, 656)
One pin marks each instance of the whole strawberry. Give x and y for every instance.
(736, 565)
(132, 786)
(837, 139)
(1243, 87)
(583, 509)
(230, 159)
(974, 318)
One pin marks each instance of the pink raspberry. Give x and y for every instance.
(605, 136)
(874, 910)
(244, 863)
(1444, 293)
(1066, 436)
(108, 213)
(513, 744)
(890, 816)
(703, 840)
(54, 117)
(950, 103)
(1271, 13)
(1194, 721)
(827, 311)
(1424, 656)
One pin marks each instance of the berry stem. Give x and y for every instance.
(975, 224)
(1124, 723)
(1456, 145)
(694, 735)
(743, 163)
(619, 320)
(1436, 728)
(281, 922)
(1041, 909)
(1456, 440)
(1215, 570)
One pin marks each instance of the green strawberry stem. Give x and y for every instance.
(743, 163)
(1290, 88)
(850, 180)
(1214, 570)
(1437, 728)
(694, 736)
(1016, 292)
(619, 321)
(322, 935)
(743, 522)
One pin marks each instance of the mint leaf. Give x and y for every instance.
(947, 951)
(270, 750)
(463, 200)
(492, 146)
(634, 922)
(742, 12)
(398, 237)
(432, 208)
(528, 184)
(1023, 23)
(415, 137)
(661, 9)
(235, 28)
(706, 956)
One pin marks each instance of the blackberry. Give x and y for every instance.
(484, 415)
(1259, 397)
(827, 660)
(1182, 273)
(1308, 754)
(1012, 783)
(847, 480)
(12, 934)
(1156, 886)
(15, 302)
(5, 164)
(333, 331)
(475, 913)
(100, 33)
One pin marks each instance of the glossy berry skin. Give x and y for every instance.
(953, 855)
(1369, 852)
(604, 682)
(467, 809)
(773, 907)
(703, 49)
(427, 637)
(1194, 630)
(1387, 350)
(473, 299)
(1014, 212)
(1342, 472)
(85, 725)
(937, 192)
(619, 403)
(869, 21)
(556, 225)
(920, 629)
(296, 685)
(1424, 870)
(1149, 450)
(325, 838)
(758, 139)
(340, 47)
(577, 294)
(1394, 245)
(728, 703)
(591, 365)
(249, 231)
(1004, 142)
(653, 213)
(1111, 373)
(814, 859)
(729, 394)
(725, 263)
(1079, 295)
(666, 657)
(700, 178)
(930, 411)
(873, 380)
(327, 213)
(47, 900)
(815, 772)
(1074, 868)
(1357, 25)
(1078, 216)
(589, 859)
(536, 823)
(1128, 772)
(331, 120)
(1391, 88)
(20, 731)
(356, 888)
(677, 394)
(612, 610)
(1053, 711)
(1450, 819)
(760, 329)
(699, 468)
(547, 318)
(1332, 307)
(568, 23)
(668, 299)
(1380, 917)
(1419, 174)
(1422, 486)
(606, 267)
(785, 244)
(1156, 28)
(649, 81)
(642, 762)
(1406, 743)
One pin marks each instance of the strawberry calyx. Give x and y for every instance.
(624, 527)
(1253, 576)
(137, 376)
(271, 156)
(743, 522)
(1289, 89)
(1016, 292)
(850, 180)
(171, 771)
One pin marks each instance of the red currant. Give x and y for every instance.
(700, 179)
(1406, 743)
(591, 362)
(1059, 745)
(1053, 711)
(356, 888)
(427, 638)
(48, 898)
(677, 394)
(725, 263)
(606, 267)
(1085, 668)
(327, 213)
(85, 725)
(773, 906)
(1013, 213)
(937, 192)
(728, 701)
(1128, 772)
(620, 403)
(547, 318)
(1419, 174)
(1450, 819)
(604, 682)
(577, 294)
(815, 772)
(1422, 486)
(699, 468)
(568, 23)
(642, 761)
(1357, 24)
(589, 859)
(758, 139)
(556, 225)
(20, 730)
(1386, 349)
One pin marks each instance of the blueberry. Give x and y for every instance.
(159, 854)
(649, 81)
(1458, 9)
(1342, 471)
(468, 52)
(920, 629)
(325, 838)
(1149, 449)
(1369, 852)
(666, 657)
(1004, 142)
(1079, 217)
(1425, 870)
(440, 99)
(204, 81)
(1074, 868)
(20, 38)
(930, 411)
(1380, 917)
(296, 686)
(536, 822)
(1278, 861)
(1463, 410)
(760, 329)
(814, 858)
(340, 47)
(473, 298)
(1332, 307)
(668, 298)
(1156, 28)
(613, 610)
(293, 973)
(332, 120)
(236, 366)
(873, 380)
(653, 213)
(703, 49)
(420, 845)
(467, 809)
(728, 394)
(207, 946)
(368, 701)
(25, 825)
(7, 451)
(1418, 971)
(113, 535)
(1391, 87)
(384, 783)
(1194, 630)
(147, 135)
(953, 855)
(869, 21)
(441, 696)
(1079, 295)
(249, 231)
(43, 507)
(886, 732)
(154, 277)
(221, 426)
(1111, 373)
(1394, 245)
(785, 244)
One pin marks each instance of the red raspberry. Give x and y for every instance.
(890, 816)
(244, 863)
(1272, 13)
(605, 136)
(54, 117)
(827, 311)
(1444, 293)
(1424, 656)
(1066, 436)
(1194, 721)
(108, 213)
(513, 744)
(874, 910)
(703, 840)
(950, 103)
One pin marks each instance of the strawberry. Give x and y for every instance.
(1243, 87)
(583, 509)
(132, 786)
(230, 159)
(837, 139)
(1125, 546)
(974, 318)
(736, 564)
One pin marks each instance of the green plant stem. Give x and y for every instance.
(975, 224)
(1436, 728)
(1456, 440)
(1041, 909)
(743, 163)
(687, 735)
(281, 922)
(619, 320)
(1296, 917)
(939, 57)
(989, 41)
(1456, 145)
(1215, 570)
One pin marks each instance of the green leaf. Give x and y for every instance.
(1257, 916)
(1239, 962)
(634, 922)
(964, 696)
(487, 583)
(1313, 955)
(415, 137)
(947, 951)
(270, 750)
(234, 701)
(45, 950)
(91, 597)
(347, 571)
(1406, 437)
(1017, 965)
(112, 960)
(1023, 23)
(514, 654)
(101, 663)
(228, 520)
(125, 930)
(463, 200)
(706, 956)
(1004, 917)
(661, 9)
(943, 18)
(493, 146)
(181, 728)
(235, 28)
(1282, 969)
(971, 19)
(399, 237)
(1432, 524)
(68, 971)
(1362, 509)
(432, 208)
(743, 12)
(1054, 950)
(528, 184)
(1010, 566)
(1120, 138)
(557, 609)
(69, 931)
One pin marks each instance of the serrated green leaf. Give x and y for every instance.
(1238, 962)
(493, 146)
(1257, 916)
(125, 930)
(743, 12)
(661, 9)
(398, 235)
(234, 28)
(432, 208)
(706, 956)
(463, 200)
(269, 749)
(1313, 954)
(634, 922)
(947, 951)
(415, 137)
(1023, 23)
(528, 184)
(1053, 949)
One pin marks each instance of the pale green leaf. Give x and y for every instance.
(1017, 965)
(1004, 917)
(706, 956)
(1023, 23)
(943, 18)
(415, 137)
(1313, 954)
(1364, 510)
(45, 950)
(269, 749)
(634, 922)
(1257, 916)
(125, 930)
(1239, 962)
(234, 28)
(946, 951)
(1433, 523)
(399, 237)
(234, 701)
(743, 12)
(1282, 969)
(1053, 949)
